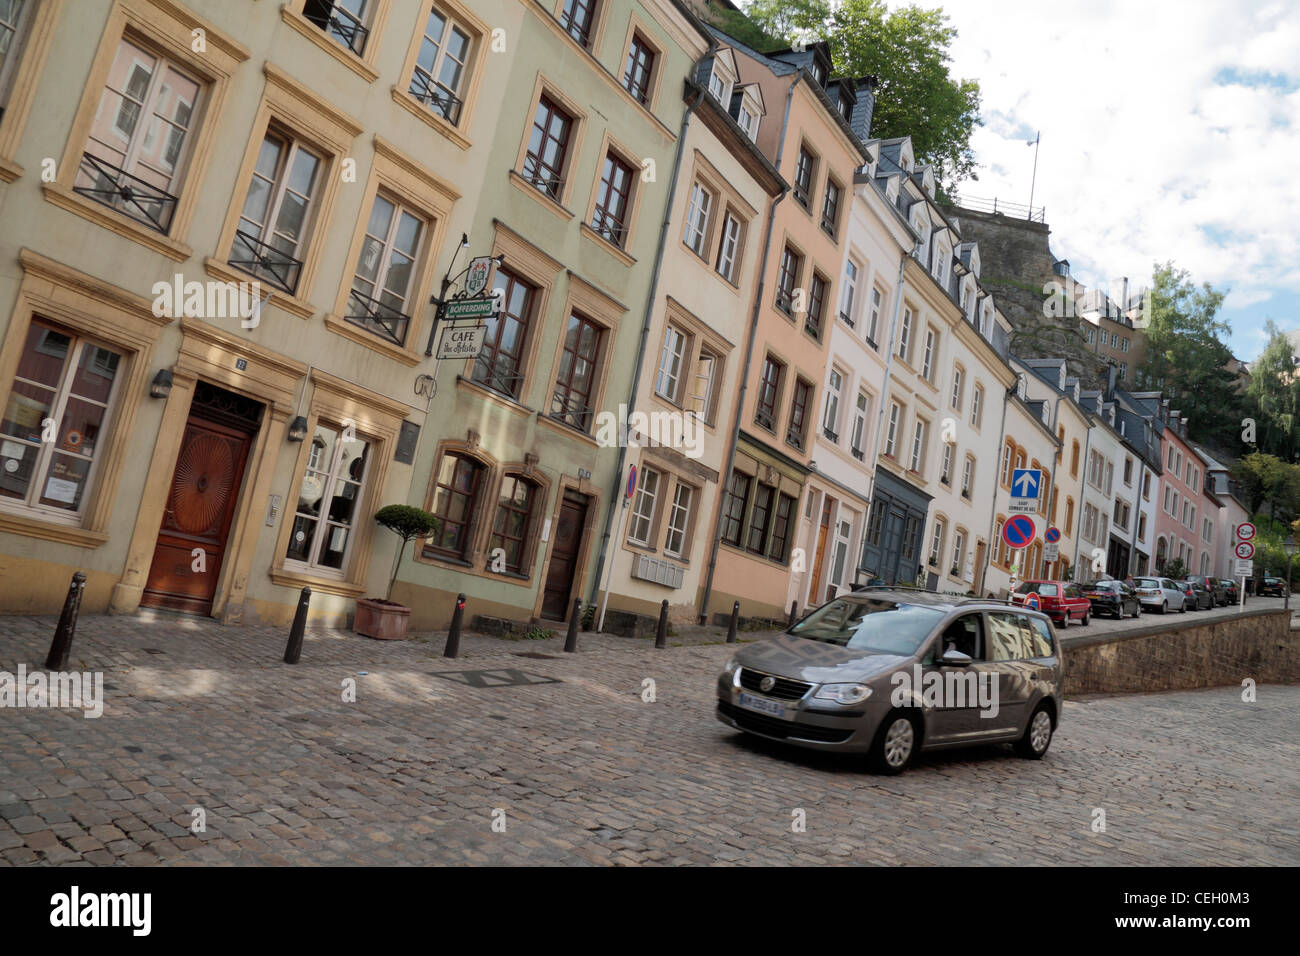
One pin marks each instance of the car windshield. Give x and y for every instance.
(1147, 583)
(1106, 586)
(883, 626)
(1033, 587)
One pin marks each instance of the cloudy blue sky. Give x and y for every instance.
(1170, 130)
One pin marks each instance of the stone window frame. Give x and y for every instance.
(611, 146)
(164, 28)
(637, 27)
(100, 310)
(288, 105)
(416, 186)
(596, 32)
(22, 91)
(401, 95)
(554, 91)
(363, 64)
(599, 309)
(701, 337)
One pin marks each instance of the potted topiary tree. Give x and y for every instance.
(383, 618)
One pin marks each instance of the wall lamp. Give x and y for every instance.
(161, 386)
(298, 429)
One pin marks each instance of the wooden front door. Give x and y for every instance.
(199, 509)
(819, 555)
(563, 567)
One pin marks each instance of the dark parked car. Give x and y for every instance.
(1272, 586)
(1230, 588)
(1198, 596)
(1216, 589)
(1112, 598)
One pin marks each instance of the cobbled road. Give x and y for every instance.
(576, 767)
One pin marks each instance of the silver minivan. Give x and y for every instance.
(892, 672)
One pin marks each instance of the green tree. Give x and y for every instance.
(1271, 485)
(1186, 357)
(407, 522)
(907, 51)
(1274, 396)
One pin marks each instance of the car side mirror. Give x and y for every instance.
(954, 658)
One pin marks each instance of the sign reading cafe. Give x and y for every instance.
(461, 342)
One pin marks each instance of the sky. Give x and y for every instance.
(1169, 130)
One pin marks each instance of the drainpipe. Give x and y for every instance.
(725, 476)
(615, 500)
(1083, 497)
(1056, 423)
(1137, 515)
(997, 465)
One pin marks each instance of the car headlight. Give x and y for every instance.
(732, 666)
(843, 693)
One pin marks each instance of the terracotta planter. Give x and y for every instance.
(382, 620)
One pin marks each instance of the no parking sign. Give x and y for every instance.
(1018, 532)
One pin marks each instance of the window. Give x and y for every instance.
(733, 513)
(671, 359)
(1007, 451)
(1128, 472)
(697, 221)
(639, 69)
(891, 432)
(1123, 371)
(848, 291)
(1074, 459)
(967, 477)
(955, 399)
(958, 552)
(512, 527)
(499, 364)
(15, 16)
(977, 406)
(576, 376)
(996, 557)
(874, 324)
(759, 518)
(1123, 345)
(1146, 486)
(328, 500)
(748, 122)
(936, 542)
(706, 381)
(858, 438)
(548, 147)
(276, 220)
(455, 502)
(803, 174)
(816, 305)
(945, 466)
(729, 247)
(578, 17)
(643, 509)
(831, 208)
(136, 148)
(769, 391)
(776, 544)
(343, 20)
(791, 266)
(927, 359)
(831, 408)
(385, 272)
(918, 444)
(68, 382)
(679, 516)
(1142, 527)
(441, 66)
(1110, 478)
(798, 429)
(609, 218)
(905, 334)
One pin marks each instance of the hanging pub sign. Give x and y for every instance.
(476, 278)
(461, 342)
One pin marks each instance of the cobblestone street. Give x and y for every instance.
(580, 769)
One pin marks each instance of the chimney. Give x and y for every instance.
(865, 108)
(1111, 374)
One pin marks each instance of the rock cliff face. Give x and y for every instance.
(1016, 264)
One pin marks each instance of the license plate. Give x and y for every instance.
(762, 705)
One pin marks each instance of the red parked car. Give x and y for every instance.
(1059, 600)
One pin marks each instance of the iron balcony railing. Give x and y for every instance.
(497, 376)
(847, 319)
(608, 226)
(116, 188)
(343, 26)
(376, 317)
(579, 31)
(831, 435)
(567, 409)
(436, 96)
(538, 175)
(266, 262)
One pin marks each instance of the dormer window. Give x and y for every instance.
(748, 122)
(722, 77)
(819, 72)
(1020, 387)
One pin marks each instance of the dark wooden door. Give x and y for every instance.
(563, 568)
(819, 554)
(200, 506)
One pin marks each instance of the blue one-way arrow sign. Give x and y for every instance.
(1025, 482)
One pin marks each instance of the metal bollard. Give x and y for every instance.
(731, 625)
(293, 650)
(453, 633)
(571, 639)
(57, 659)
(794, 613)
(661, 635)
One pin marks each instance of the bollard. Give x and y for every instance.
(731, 625)
(794, 613)
(57, 659)
(453, 633)
(661, 635)
(293, 650)
(571, 639)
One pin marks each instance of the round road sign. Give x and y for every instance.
(1245, 550)
(1031, 602)
(631, 480)
(1053, 535)
(1018, 532)
(1245, 531)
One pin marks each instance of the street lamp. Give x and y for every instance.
(1289, 546)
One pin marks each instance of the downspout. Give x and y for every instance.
(615, 500)
(1083, 496)
(993, 510)
(1137, 516)
(724, 478)
(1056, 423)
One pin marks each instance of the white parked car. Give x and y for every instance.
(1160, 594)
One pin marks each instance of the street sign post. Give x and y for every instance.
(1244, 550)
(1052, 536)
(1245, 531)
(1244, 568)
(1018, 532)
(1026, 489)
(1051, 552)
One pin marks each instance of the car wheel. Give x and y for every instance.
(1164, 607)
(1065, 620)
(1183, 609)
(895, 743)
(1086, 618)
(1137, 609)
(1038, 735)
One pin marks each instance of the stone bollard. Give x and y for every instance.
(661, 635)
(293, 650)
(453, 633)
(794, 613)
(571, 639)
(57, 659)
(731, 625)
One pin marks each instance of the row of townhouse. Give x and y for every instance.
(706, 269)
